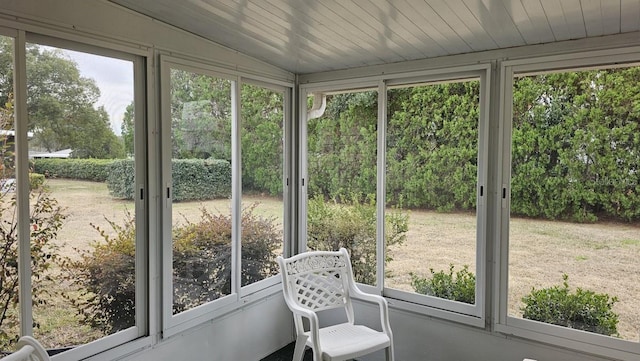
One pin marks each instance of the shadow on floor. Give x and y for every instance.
(286, 354)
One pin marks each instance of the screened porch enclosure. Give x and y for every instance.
(477, 159)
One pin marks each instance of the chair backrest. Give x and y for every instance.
(28, 349)
(317, 280)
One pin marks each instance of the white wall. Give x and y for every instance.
(249, 333)
(418, 337)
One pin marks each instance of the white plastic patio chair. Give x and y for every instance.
(28, 349)
(323, 280)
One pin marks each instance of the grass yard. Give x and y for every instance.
(602, 257)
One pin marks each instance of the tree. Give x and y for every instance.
(127, 129)
(60, 103)
(262, 139)
(200, 116)
(575, 145)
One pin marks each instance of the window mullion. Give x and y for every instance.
(381, 183)
(236, 188)
(22, 189)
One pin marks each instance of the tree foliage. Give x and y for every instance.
(575, 146)
(432, 147)
(262, 139)
(126, 130)
(200, 116)
(60, 104)
(342, 148)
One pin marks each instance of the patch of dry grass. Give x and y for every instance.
(602, 257)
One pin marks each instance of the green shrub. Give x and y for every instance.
(95, 170)
(201, 266)
(202, 253)
(106, 273)
(582, 310)
(36, 180)
(353, 226)
(460, 286)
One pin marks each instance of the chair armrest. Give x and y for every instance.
(310, 315)
(382, 303)
(314, 325)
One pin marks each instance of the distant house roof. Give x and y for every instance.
(64, 153)
(12, 133)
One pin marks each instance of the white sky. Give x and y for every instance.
(114, 77)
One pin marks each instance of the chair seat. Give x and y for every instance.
(346, 341)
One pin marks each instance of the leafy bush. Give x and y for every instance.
(46, 219)
(460, 286)
(353, 226)
(582, 310)
(201, 266)
(202, 256)
(36, 180)
(106, 272)
(95, 170)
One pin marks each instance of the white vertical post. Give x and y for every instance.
(303, 179)
(288, 175)
(21, 122)
(381, 199)
(236, 188)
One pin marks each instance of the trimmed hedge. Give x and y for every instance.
(88, 169)
(196, 179)
(121, 180)
(193, 179)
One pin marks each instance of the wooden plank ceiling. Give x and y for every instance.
(307, 36)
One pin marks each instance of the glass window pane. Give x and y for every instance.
(432, 160)
(82, 220)
(9, 312)
(575, 202)
(341, 158)
(262, 181)
(201, 174)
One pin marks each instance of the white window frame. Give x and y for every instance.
(239, 296)
(135, 56)
(253, 288)
(473, 315)
(503, 323)
(338, 87)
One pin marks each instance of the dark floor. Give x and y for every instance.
(286, 354)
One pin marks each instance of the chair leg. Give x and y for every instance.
(317, 355)
(298, 351)
(389, 353)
